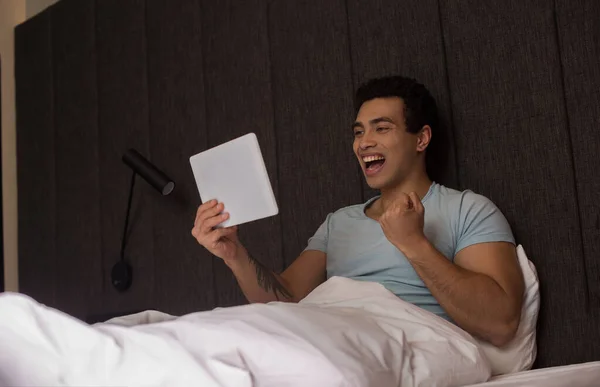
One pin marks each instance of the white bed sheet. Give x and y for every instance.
(576, 375)
(344, 334)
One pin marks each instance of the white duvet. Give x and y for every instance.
(345, 333)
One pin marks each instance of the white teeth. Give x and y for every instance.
(368, 159)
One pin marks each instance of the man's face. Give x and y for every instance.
(387, 153)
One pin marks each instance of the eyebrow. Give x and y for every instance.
(357, 124)
(374, 121)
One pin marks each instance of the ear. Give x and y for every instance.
(423, 138)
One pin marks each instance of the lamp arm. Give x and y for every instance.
(124, 239)
(121, 273)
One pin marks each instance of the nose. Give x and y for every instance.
(367, 141)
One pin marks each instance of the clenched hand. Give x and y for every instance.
(402, 223)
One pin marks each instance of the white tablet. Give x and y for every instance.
(234, 173)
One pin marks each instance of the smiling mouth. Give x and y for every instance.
(373, 164)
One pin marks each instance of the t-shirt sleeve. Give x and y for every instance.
(480, 221)
(319, 240)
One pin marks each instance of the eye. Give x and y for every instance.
(381, 129)
(358, 133)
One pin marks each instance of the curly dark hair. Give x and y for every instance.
(420, 109)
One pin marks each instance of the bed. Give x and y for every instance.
(586, 374)
(516, 83)
(344, 333)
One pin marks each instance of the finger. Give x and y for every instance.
(202, 208)
(209, 223)
(420, 206)
(219, 233)
(234, 231)
(228, 231)
(209, 213)
(201, 227)
(405, 201)
(416, 202)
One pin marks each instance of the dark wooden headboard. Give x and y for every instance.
(517, 82)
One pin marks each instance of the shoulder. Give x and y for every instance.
(461, 201)
(474, 218)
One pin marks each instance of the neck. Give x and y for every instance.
(419, 184)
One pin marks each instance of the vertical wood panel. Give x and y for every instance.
(183, 272)
(391, 37)
(35, 159)
(507, 103)
(578, 23)
(78, 242)
(312, 93)
(238, 100)
(123, 124)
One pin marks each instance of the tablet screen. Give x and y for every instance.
(234, 173)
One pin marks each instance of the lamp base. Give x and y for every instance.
(121, 276)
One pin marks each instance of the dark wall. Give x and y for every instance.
(517, 84)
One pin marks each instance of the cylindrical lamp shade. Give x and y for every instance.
(156, 178)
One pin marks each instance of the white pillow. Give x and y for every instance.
(520, 352)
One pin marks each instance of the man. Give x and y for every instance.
(449, 252)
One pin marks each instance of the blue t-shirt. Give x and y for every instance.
(357, 248)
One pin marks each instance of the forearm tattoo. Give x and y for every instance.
(268, 281)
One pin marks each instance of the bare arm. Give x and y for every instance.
(260, 284)
(482, 292)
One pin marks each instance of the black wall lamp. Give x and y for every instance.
(122, 274)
